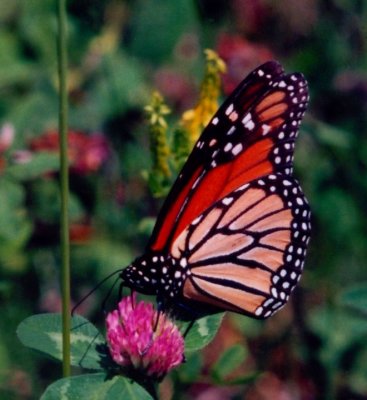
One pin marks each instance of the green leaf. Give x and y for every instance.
(46, 202)
(43, 333)
(202, 332)
(15, 227)
(14, 70)
(37, 166)
(146, 226)
(119, 88)
(338, 331)
(147, 40)
(95, 387)
(26, 116)
(328, 134)
(42, 34)
(356, 298)
(243, 380)
(228, 362)
(358, 373)
(190, 370)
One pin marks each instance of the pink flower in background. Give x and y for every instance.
(22, 156)
(87, 153)
(6, 136)
(251, 16)
(175, 86)
(137, 341)
(241, 56)
(6, 140)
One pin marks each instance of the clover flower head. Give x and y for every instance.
(140, 339)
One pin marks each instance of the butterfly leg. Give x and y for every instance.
(157, 320)
(159, 313)
(188, 328)
(108, 295)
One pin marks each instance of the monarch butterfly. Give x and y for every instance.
(234, 229)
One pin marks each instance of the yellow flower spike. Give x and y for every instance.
(181, 147)
(214, 61)
(194, 120)
(160, 152)
(157, 110)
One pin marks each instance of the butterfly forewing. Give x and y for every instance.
(251, 135)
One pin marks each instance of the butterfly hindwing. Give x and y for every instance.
(246, 252)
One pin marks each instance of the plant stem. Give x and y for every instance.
(64, 187)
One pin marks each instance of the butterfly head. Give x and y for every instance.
(139, 277)
(155, 274)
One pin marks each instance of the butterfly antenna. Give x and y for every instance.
(108, 295)
(81, 301)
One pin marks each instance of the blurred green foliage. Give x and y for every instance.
(119, 52)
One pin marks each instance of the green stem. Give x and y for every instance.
(64, 187)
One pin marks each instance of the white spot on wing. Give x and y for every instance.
(228, 146)
(259, 311)
(246, 118)
(250, 125)
(227, 200)
(266, 128)
(248, 122)
(197, 220)
(237, 149)
(231, 130)
(183, 262)
(229, 109)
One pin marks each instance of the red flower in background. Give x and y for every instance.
(251, 15)
(241, 56)
(175, 86)
(87, 153)
(6, 140)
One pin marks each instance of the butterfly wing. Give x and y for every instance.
(233, 231)
(251, 135)
(246, 252)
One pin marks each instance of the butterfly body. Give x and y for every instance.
(233, 231)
